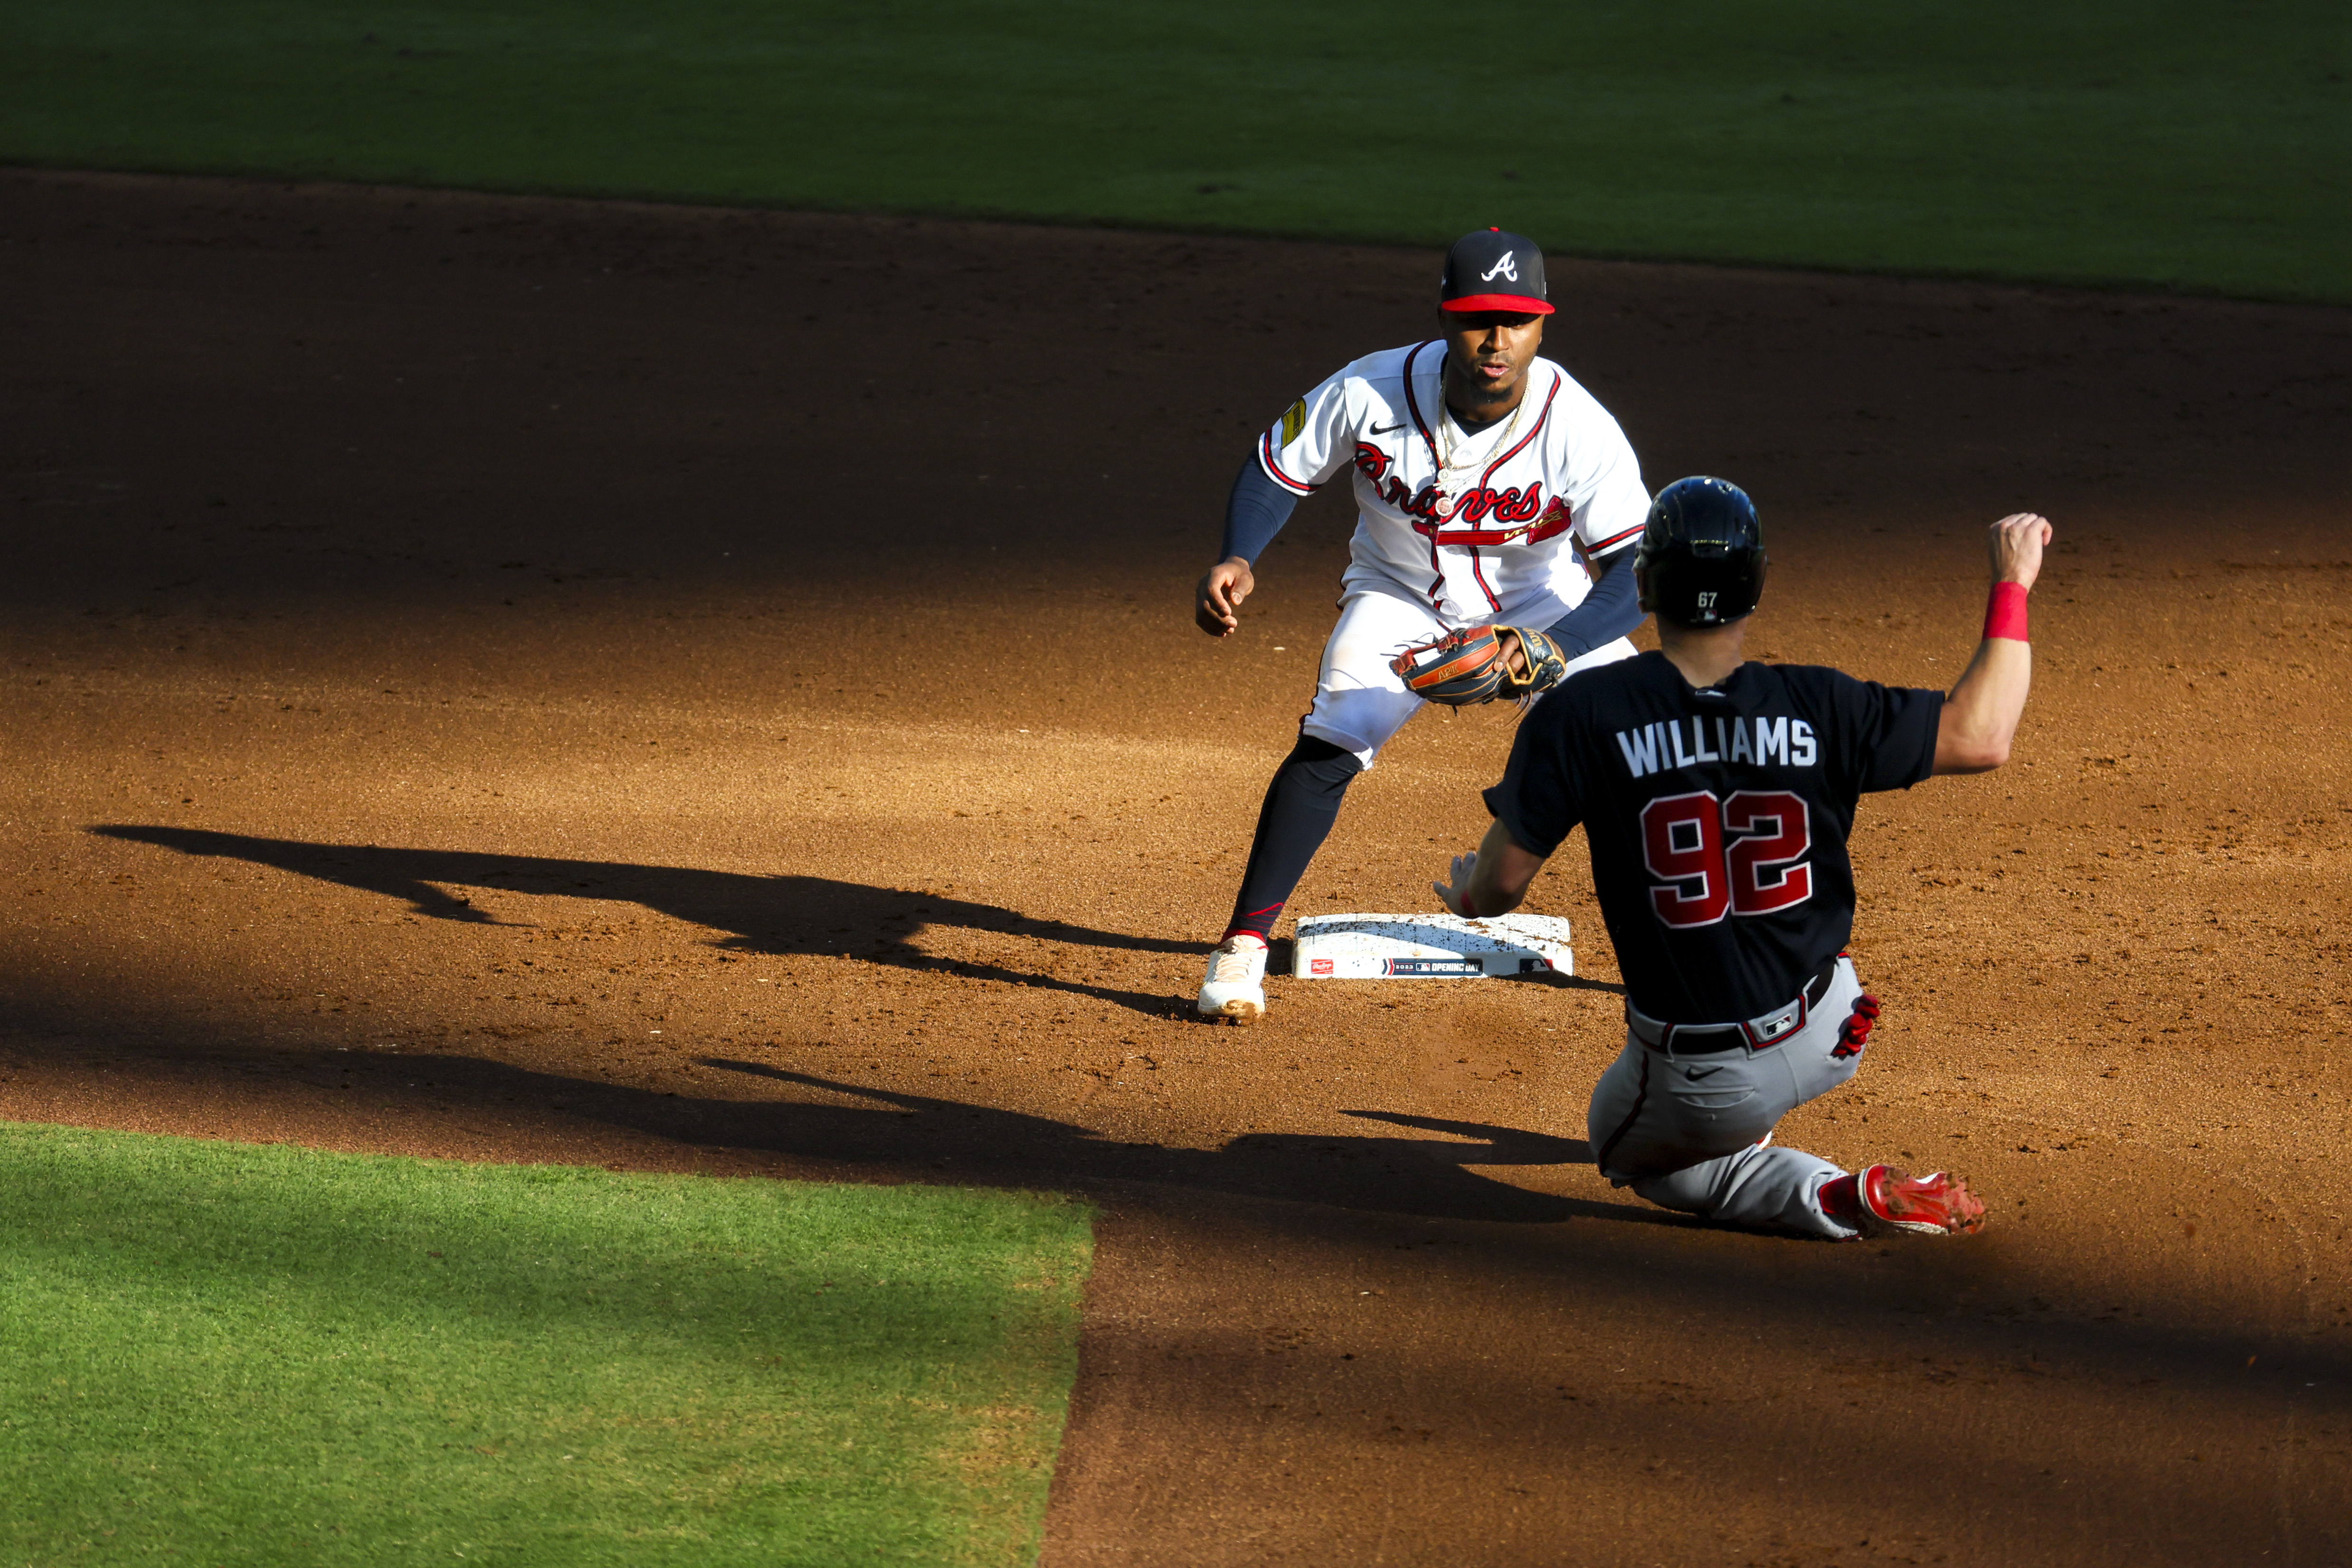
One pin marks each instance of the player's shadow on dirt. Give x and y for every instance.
(1499, 1145)
(1428, 1177)
(778, 914)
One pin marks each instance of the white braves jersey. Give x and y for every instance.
(1468, 522)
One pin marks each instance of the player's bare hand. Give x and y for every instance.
(1223, 588)
(1515, 659)
(1463, 867)
(2015, 544)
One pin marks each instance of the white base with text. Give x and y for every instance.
(1429, 947)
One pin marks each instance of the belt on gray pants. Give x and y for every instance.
(1764, 1030)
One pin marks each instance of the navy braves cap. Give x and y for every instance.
(1492, 270)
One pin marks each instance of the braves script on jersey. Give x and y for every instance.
(1717, 818)
(1471, 522)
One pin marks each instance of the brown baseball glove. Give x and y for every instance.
(1467, 667)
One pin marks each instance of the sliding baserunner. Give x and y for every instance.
(1717, 796)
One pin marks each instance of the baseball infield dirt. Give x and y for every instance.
(693, 689)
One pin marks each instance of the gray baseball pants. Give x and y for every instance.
(1686, 1131)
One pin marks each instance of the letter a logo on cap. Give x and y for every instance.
(1490, 270)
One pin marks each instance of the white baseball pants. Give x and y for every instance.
(1361, 702)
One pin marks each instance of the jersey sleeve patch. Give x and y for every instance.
(1311, 440)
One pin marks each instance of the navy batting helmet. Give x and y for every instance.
(1701, 559)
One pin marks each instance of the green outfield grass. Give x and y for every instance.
(2156, 143)
(214, 1352)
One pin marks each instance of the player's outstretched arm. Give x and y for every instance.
(1223, 588)
(1980, 714)
(1254, 513)
(1491, 879)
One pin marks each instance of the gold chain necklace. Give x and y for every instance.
(1449, 451)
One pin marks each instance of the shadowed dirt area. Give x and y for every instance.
(688, 689)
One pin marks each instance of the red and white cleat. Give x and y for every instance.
(1932, 1204)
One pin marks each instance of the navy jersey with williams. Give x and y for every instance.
(1717, 817)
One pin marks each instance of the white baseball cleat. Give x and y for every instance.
(1235, 987)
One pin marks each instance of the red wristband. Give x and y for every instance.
(2005, 613)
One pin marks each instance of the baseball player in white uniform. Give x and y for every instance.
(1491, 490)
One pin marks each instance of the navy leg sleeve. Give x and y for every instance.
(1301, 805)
